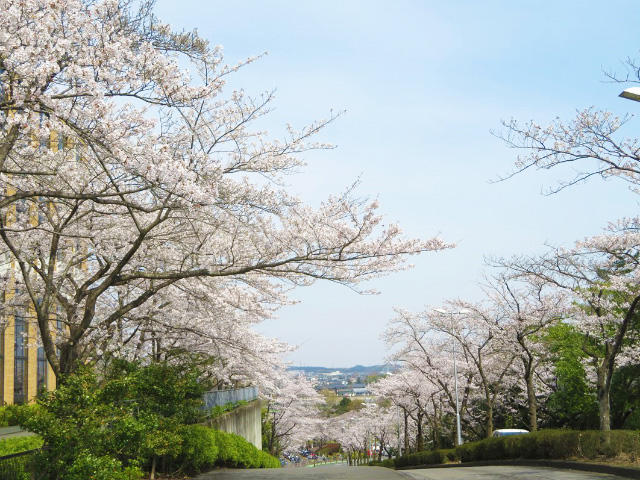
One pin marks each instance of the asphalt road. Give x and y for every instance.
(504, 473)
(341, 472)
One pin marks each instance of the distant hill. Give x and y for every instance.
(357, 369)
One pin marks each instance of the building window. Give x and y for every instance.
(2, 365)
(20, 361)
(42, 370)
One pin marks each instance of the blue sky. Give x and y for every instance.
(424, 83)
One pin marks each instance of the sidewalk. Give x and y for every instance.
(15, 431)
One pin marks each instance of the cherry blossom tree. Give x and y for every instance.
(217, 332)
(426, 344)
(600, 277)
(429, 358)
(384, 425)
(591, 144)
(372, 430)
(470, 328)
(128, 168)
(292, 412)
(396, 388)
(521, 311)
(423, 403)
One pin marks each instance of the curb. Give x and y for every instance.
(627, 472)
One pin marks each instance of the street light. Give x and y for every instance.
(632, 93)
(455, 372)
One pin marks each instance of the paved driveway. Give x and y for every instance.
(503, 473)
(324, 472)
(341, 472)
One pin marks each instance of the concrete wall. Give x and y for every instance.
(244, 421)
(216, 398)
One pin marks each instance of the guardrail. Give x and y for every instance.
(18, 466)
(218, 398)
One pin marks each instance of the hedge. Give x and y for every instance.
(555, 444)
(9, 414)
(204, 448)
(388, 462)
(544, 444)
(431, 457)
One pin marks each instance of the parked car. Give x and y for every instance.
(506, 432)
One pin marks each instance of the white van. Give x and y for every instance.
(505, 432)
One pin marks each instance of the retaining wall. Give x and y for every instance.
(218, 398)
(244, 421)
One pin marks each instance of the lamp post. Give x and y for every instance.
(455, 373)
(632, 93)
(398, 454)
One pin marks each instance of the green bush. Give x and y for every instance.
(430, 457)
(452, 455)
(545, 444)
(388, 463)
(204, 448)
(199, 449)
(88, 420)
(10, 414)
(555, 444)
(90, 466)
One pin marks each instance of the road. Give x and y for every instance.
(341, 472)
(324, 472)
(504, 473)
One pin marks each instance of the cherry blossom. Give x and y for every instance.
(129, 169)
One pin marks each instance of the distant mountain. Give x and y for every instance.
(357, 369)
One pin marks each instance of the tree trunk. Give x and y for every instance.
(69, 359)
(419, 438)
(406, 432)
(531, 398)
(604, 386)
(272, 437)
(489, 418)
(152, 475)
(435, 425)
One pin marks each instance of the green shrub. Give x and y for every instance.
(555, 444)
(204, 448)
(387, 463)
(10, 414)
(199, 449)
(90, 418)
(87, 465)
(267, 461)
(451, 454)
(7, 415)
(430, 457)
(544, 444)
